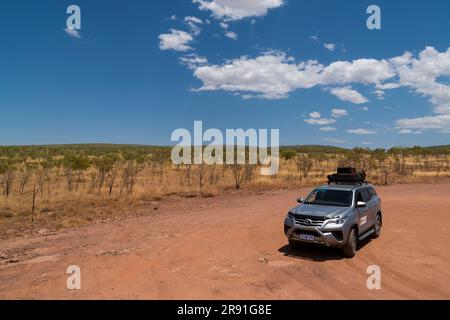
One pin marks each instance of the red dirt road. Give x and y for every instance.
(234, 248)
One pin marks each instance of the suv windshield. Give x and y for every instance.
(330, 198)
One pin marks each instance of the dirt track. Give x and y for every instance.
(234, 248)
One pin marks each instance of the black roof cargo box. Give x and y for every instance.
(347, 176)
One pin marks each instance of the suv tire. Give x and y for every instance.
(349, 249)
(377, 226)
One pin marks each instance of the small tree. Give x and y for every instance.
(288, 156)
(104, 166)
(74, 168)
(130, 173)
(8, 175)
(24, 178)
(304, 165)
(200, 171)
(238, 171)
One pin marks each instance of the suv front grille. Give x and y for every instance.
(309, 221)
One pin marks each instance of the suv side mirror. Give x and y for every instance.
(361, 204)
(300, 200)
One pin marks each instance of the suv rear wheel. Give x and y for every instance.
(350, 247)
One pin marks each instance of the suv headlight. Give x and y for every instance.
(337, 220)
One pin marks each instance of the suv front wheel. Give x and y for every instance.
(350, 247)
(377, 226)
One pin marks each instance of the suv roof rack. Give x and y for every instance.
(348, 176)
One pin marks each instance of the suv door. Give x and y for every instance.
(372, 209)
(374, 204)
(363, 213)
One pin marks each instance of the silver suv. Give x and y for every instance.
(336, 215)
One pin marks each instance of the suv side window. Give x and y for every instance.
(366, 195)
(359, 197)
(373, 192)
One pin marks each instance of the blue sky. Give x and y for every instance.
(122, 80)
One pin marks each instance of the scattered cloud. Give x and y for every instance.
(327, 129)
(176, 40)
(314, 38)
(194, 20)
(315, 118)
(273, 75)
(421, 74)
(315, 115)
(440, 122)
(409, 131)
(330, 46)
(73, 33)
(231, 35)
(362, 131)
(193, 23)
(193, 61)
(334, 140)
(379, 93)
(238, 9)
(339, 113)
(349, 95)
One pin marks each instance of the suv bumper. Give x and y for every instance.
(325, 237)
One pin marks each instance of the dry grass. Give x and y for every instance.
(57, 208)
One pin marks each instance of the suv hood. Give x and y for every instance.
(320, 211)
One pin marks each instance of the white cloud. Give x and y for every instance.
(314, 38)
(193, 61)
(409, 131)
(175, 40)
(379, 93)
(231, 35)
(366, 71)
(327, 129)
(334, 140)
(191, 19)
(330, 46)
(238, 9)
(270, 76)
(73, 33)
(327, 45)
(349, 95)
(274, 75)
(320, 121)
(339, 113)
(315, 115)
(193, 23)
(367, 143)
(362, 131)
(422, 74)
(440, 122)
